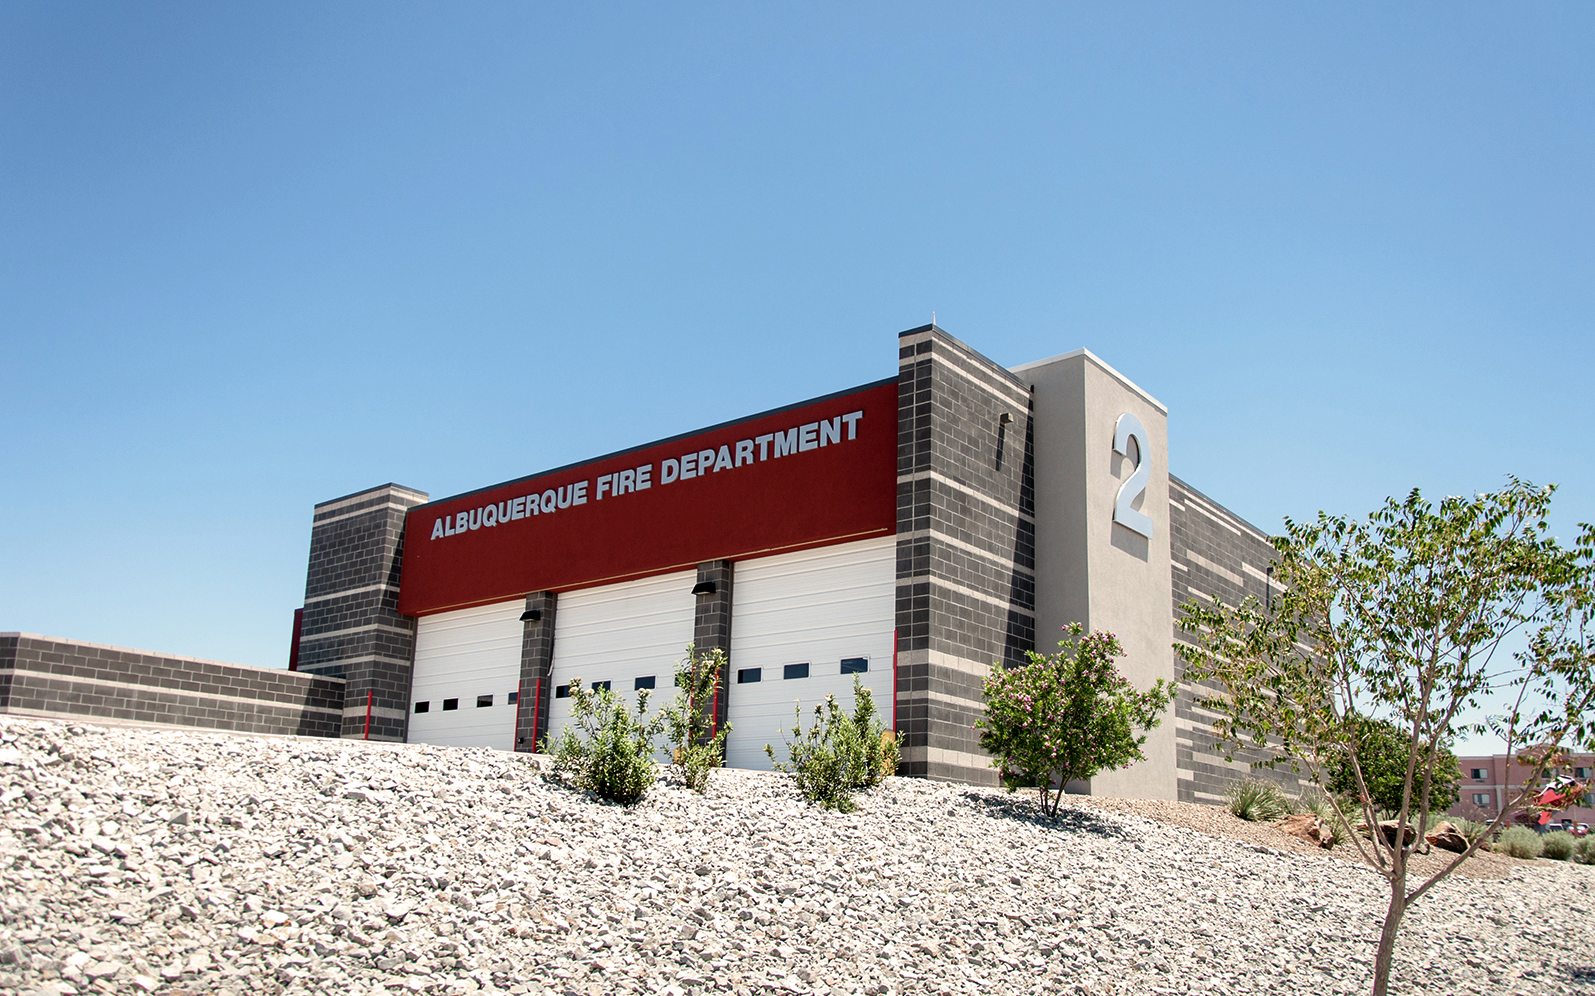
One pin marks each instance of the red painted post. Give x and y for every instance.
(894, 682)
(536, 706)
(520, 693)
(370, 694)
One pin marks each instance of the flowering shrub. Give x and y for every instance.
(1067, 715)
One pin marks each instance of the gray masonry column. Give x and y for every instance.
(537, 665)
(965, 546)
(711, 624)
(352, 628)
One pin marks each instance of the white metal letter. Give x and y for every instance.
(1128, 428)
(851, 418)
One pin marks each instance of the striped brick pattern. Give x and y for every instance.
(352, 628)
(1215, 552)
(41, 676)
(966, 546)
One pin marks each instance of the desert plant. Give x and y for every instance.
(605, 748)
(1584, 852)
(1557, 845)
(1323, 807)
(696, 747)
(1316, 803)
(1519, 842)
(1463, 616)
(1472, 829)
(839, 753)
(1066, 716)
(1257, 801)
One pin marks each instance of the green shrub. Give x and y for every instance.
(1519, 842)
(689, 720)
(1473, 829)
(1382, 749)
(839, 753)
(1558, 845)
(605, 749)
(1258, 801)
(1067, 716)
(1584, 853)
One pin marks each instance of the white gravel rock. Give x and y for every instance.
(136, 860)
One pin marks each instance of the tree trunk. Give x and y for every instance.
(1387, 937)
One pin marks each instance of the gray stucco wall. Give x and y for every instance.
(1090, 568)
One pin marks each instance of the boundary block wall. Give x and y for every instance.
(1215, 552)
(966, 533)
(59, 679)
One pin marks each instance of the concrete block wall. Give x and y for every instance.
(352, 628)
(60, 679)
(1214, 552)
(711, 626)
(537, 663)
(965, 546)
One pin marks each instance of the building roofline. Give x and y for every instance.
(1101, 364)
(659, 442)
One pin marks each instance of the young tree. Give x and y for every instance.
(1066, 716)
(1404, 617)
(696, 747)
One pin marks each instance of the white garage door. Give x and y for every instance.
(799, 621)
(467, 667)
(626, 634)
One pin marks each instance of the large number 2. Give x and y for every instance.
(1128, 428)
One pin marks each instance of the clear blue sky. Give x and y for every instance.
(252, 259)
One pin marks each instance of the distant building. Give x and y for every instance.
(1488, 783)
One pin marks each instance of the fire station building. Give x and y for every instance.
(909, 533)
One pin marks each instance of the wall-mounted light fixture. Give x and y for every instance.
(705, 588)
(1006, 418)
(532, 615)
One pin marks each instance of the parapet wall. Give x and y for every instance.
(60, 679)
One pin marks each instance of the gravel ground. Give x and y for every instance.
(1221, 822)
(136, 860)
